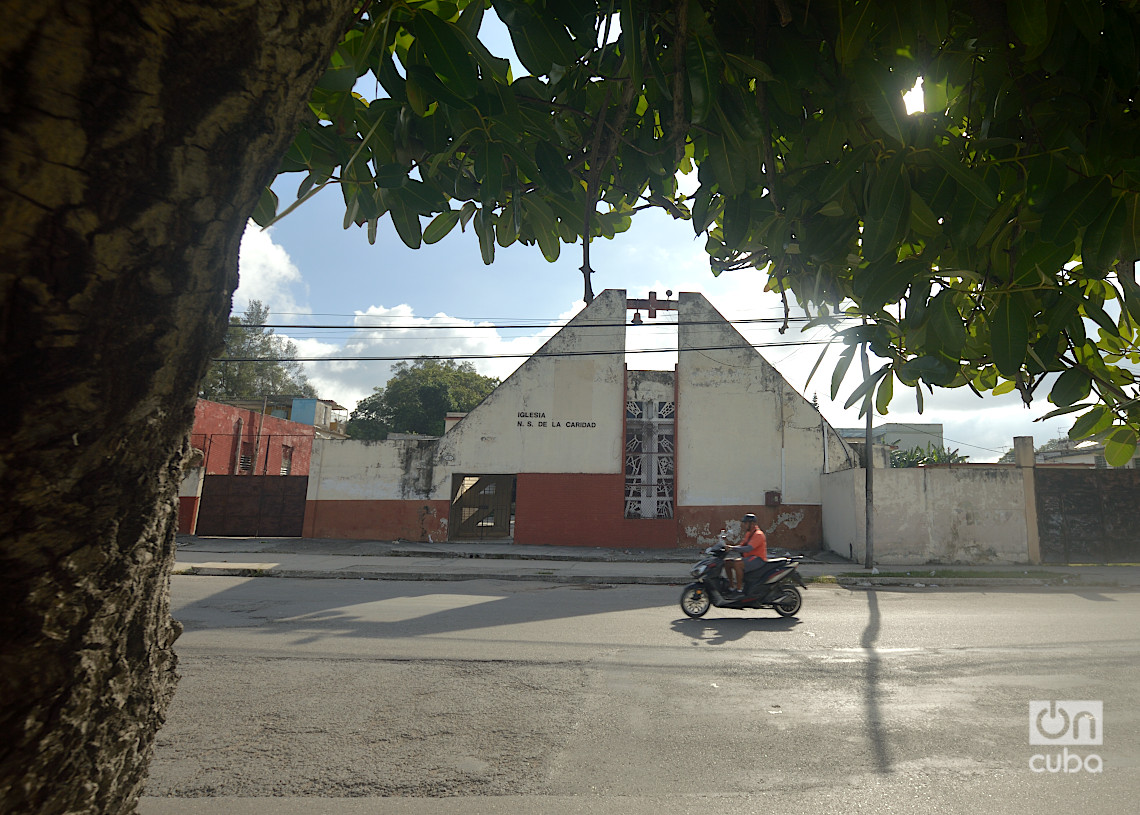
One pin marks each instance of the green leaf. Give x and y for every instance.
(841, 369)
(485, 229)
(467, 213)
(702, 79)
(540, 41)
(864, 390)
(752, 68)
(266, 209)
(1047, 177)
(927, 368)
(1030, 22)
(1071, 386)
(1078, 207)
(884, 101)
(885, 394)
(855, 24)
(923, 221)
(970, 182)
(405, 218)
(1100, 246)
(885, 282)
(736, 220)
(446, 53)
(888, 212)
(552, 166)
(946, 333)
(1120, 446)
(1088, 16)
(1090, 423)
(838, 177)
(440, 226)
(1009, 334)
(1041, 261)
(339, 79)
(815, 367)
(726, 162)
(1008, 386)
(1096, 312)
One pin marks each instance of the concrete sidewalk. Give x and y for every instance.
(498, 560)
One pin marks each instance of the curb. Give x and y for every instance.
(648, 580)
(372, 574)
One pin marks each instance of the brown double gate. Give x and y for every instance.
(251, 505)
(1088, 516)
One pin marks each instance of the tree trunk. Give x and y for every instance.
(135, 138)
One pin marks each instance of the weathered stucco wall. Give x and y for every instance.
(968, 514)
(219, 429)
(744, 430)
(189, 496)
(350, 470)
(374, 489)
(558, 424)
(560, 412)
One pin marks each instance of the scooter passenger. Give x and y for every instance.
(753, 546)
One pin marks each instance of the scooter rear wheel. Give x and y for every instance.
(695, 601)
(789, 603)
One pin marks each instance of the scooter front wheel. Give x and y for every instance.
(789, 603)
(695, 600)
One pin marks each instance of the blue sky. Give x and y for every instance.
(442, 300)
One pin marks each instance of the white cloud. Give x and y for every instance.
(266, 273)
(397, 333)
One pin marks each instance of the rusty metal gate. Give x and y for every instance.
(481, 506)
(1088, 516)
(248, 505)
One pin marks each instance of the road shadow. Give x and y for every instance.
(872, 701)
(313, 610)
(722, 630)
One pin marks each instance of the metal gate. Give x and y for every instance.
(249, 505)
(1088, 516)
(481, 506)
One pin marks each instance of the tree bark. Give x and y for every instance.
(135, 138)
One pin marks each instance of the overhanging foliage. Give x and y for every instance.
(990, 242)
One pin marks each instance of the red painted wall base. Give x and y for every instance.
(575, 509)
(187, 513)
(377, 520)
(798, 527)
(563, 509)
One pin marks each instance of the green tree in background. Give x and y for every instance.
(921, 456)
(989, 242)
(418, 397)
(275, 371)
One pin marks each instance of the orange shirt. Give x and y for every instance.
(757, 542)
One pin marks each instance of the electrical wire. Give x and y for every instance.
(539, 355)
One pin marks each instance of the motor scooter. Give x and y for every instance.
(767, 584)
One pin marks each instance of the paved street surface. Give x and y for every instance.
(477, 696)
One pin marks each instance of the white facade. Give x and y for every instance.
(593, 454)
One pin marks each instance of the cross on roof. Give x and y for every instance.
(652, 305)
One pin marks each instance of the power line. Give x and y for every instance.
(396, 327)
(441, 358)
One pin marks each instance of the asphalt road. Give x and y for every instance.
(345, 697)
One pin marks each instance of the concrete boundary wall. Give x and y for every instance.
(970, 514)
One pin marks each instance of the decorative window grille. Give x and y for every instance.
(649, 452)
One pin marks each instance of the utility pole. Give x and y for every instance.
(868, 446)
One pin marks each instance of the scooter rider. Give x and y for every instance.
(753, 545)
